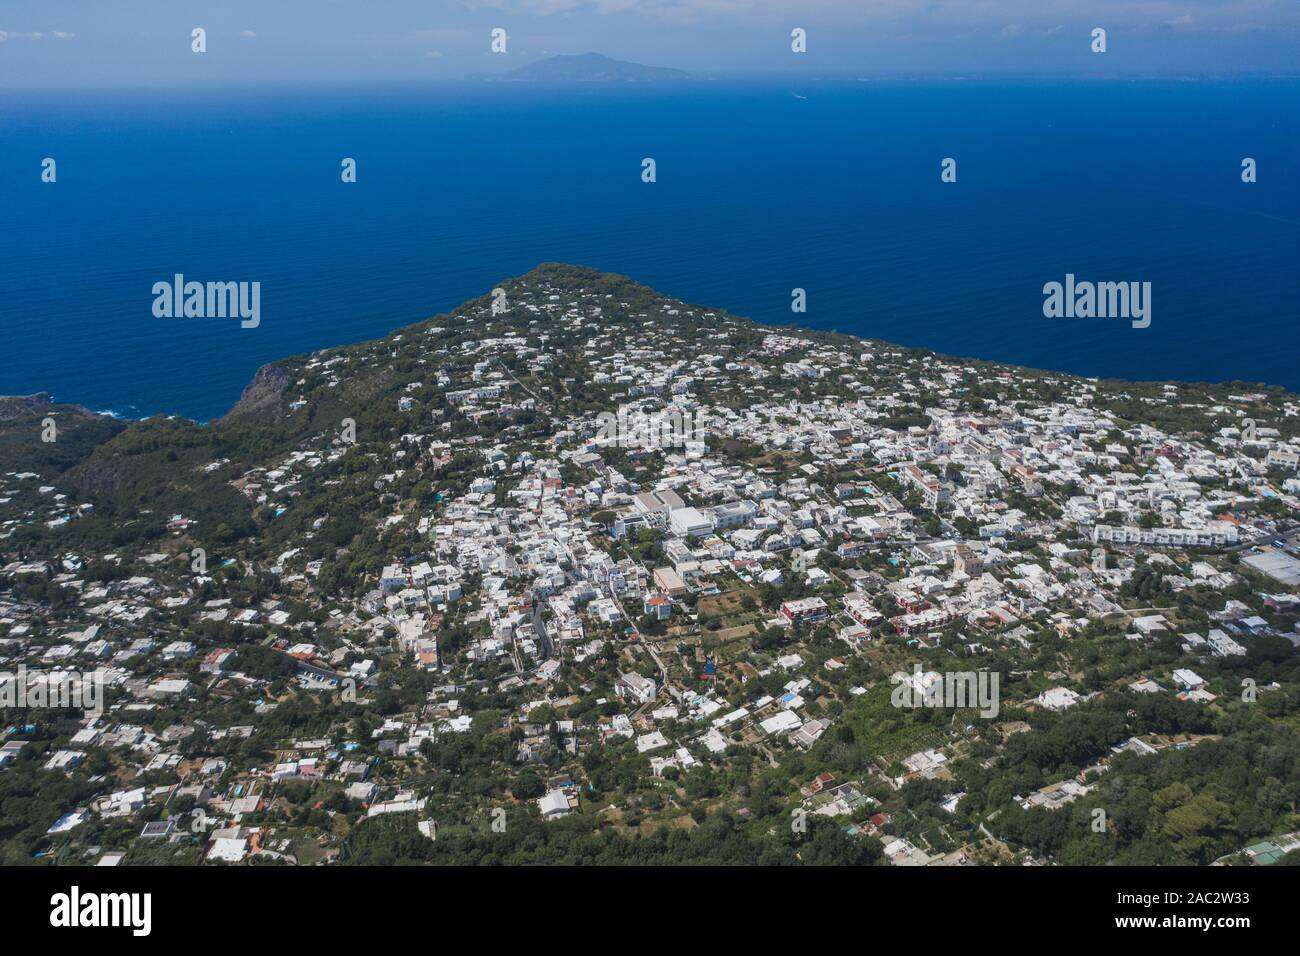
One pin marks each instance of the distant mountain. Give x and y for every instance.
(591, 68)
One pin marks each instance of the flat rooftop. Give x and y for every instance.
(1278, 565)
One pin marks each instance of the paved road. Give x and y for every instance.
(544, 638)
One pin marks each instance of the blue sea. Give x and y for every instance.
(830, 186)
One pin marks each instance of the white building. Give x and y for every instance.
(553, 805)
(1057, 699)
(688, 522)
(635, 688)
(1223, 645)
(1217, 535)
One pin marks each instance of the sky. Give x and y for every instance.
(91, 44)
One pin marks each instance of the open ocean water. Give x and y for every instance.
(762, 187)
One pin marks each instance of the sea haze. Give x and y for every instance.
(830, 186)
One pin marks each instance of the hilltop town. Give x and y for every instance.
(580, 573)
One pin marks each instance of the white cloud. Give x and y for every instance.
(37, 35)
(1025, 15)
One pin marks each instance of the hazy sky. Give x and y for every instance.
(93, 43)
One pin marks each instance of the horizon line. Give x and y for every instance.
(721, 76)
